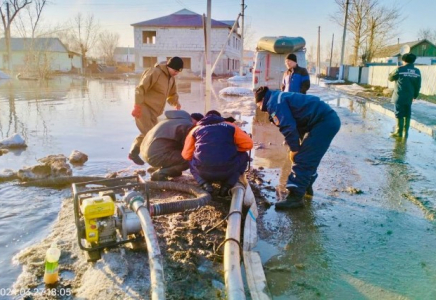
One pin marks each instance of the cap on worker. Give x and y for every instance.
(292, 57)
(260, 93)
(197, 116)
(175, 63)
(213, 112)
(409, 58)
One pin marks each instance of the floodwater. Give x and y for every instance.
(368, 232)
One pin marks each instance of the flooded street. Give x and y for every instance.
(367, 233)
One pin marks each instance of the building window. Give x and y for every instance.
(149, 37)
(149, 61)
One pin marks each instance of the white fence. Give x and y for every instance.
(378, 75)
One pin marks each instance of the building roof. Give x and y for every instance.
(394, 50)
(39, 44)
(181, 18)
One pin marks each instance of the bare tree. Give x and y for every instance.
(249, 42)
(369, 24)
(108, 41)
(83, 35)
(381, 22)
(9, 10)
(27, 22)
(428, 34)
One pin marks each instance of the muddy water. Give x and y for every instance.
(368, 233)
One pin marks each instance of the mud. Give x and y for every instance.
(190, 242)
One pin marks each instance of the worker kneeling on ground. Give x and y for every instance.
(308, 125)
(217, 152)
(163, 144)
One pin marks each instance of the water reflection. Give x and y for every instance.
(303, 264)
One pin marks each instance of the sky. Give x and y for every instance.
(263, 17)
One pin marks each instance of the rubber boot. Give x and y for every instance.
(292, 201)
(134, 156)
(406, 126)
(309, 189)
(399, 129)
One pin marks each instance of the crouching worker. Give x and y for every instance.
(162, 145)
(308, 125)
(217, 152)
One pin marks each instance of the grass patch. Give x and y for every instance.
(431, 99)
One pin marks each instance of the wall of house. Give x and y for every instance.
(59, 61)
(76, 61)
(189, 43)
(378, 76)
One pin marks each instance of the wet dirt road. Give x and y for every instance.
(369, 231)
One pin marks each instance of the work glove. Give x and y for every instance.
(292, 155)
(136, 112)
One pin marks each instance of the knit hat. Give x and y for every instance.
(175, 63)
(213, 112)
(292, 57)
(409, 58)
(260, 93)
(197, 116)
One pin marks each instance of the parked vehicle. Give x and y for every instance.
(269, 62)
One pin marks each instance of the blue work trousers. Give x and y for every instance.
(314, 145)
(228, 174)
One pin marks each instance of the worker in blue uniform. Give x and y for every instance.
(309, 126)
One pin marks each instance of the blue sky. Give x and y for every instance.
(265, 17)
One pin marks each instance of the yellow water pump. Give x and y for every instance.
(97, 214)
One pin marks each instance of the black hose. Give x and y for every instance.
(202, 198)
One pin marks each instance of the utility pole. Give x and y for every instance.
(318, 55)
(341, 68)
(8, 37)
(331, 53)
(208, 56)
(241, 64)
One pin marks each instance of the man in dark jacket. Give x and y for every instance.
(308, 125)
(163, 144)
(407, 85)
(296, 79)
(217, 151)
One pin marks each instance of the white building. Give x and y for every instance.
(248, 61)
(50, 52)
(182, 34)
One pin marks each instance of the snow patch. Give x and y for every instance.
(239, 78)
(236, 91)
(14, 141)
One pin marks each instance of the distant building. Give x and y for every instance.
(182, 34)
(124, 56)
(424, 50)
(28, 52)
(248, 61)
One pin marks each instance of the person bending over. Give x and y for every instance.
(308, 125)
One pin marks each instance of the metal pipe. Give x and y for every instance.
(155, 259)
(232, 248)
